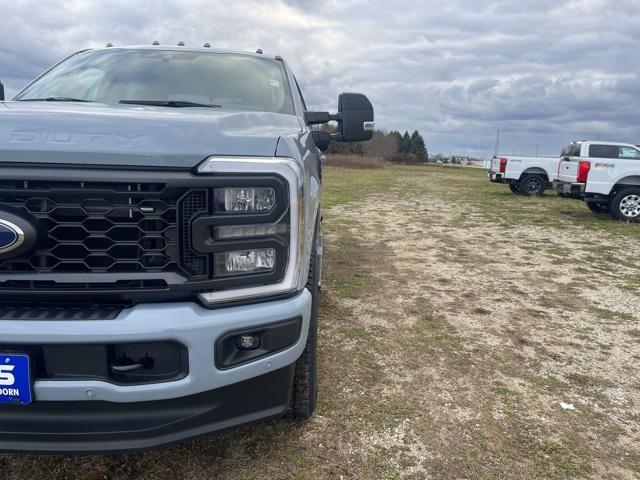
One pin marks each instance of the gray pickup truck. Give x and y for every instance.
(160, 247)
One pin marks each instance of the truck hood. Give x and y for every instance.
(132, 135)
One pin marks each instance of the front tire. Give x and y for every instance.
(626, 205)
(305, 381)
(532, 185)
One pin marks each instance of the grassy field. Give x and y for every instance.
(455, 318)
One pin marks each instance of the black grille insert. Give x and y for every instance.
(103, 312)
(191, 205)
(51, 285)
(95, 227)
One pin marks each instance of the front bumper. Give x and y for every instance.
(70, 414)
(569, 189)
(57, 427)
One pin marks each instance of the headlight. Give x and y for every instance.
(254, 234)
(261, 199)
(245, 261)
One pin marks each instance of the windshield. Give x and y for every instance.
(167, 78)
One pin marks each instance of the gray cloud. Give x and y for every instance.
(544, 71)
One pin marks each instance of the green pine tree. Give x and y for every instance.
(418, 147)
(405, 143)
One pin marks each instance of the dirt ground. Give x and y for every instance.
(466, 333)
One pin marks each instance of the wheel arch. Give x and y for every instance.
(625, 182)
(535, 171)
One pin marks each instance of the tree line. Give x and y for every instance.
(392, 146)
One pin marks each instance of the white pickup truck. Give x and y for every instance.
(529, 176)
(605, 175)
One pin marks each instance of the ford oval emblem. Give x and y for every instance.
(11, 236)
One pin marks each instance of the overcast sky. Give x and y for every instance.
(543, 71)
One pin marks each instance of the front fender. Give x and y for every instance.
(303, 149)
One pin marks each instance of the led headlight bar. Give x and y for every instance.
(252, 201)
(248, 231)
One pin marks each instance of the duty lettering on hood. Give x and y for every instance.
(73, 138)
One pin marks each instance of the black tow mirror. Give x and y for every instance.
(1, 92)
(355, 117)
(317, 118)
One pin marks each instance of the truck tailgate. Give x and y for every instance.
(495, 165)
(568, 171)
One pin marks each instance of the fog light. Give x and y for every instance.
(261, 199)
(245, 261)
(248, 342)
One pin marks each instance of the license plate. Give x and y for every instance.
(566, 188)
(15, 379)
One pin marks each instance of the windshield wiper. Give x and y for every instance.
(168, 103)
(55, 99)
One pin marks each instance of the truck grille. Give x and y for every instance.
(110, 227)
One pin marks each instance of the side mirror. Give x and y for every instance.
(355, 117)
(1, 92)
(317, 118)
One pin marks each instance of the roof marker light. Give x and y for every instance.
(259, 51)
(109, 45)
(207, 45)
(155, 42)
(181, 44)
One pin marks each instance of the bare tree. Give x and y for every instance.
(381, 145)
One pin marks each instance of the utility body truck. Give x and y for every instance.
(606, 175)
(160, 246)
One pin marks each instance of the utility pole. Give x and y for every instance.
(537, 148)
(497, 147)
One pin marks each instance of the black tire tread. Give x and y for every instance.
(305, 383)
(523, 181)
(598, 207)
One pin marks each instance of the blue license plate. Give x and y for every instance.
(15, 379)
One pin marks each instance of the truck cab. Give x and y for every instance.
(160, 246)
(606, 175)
